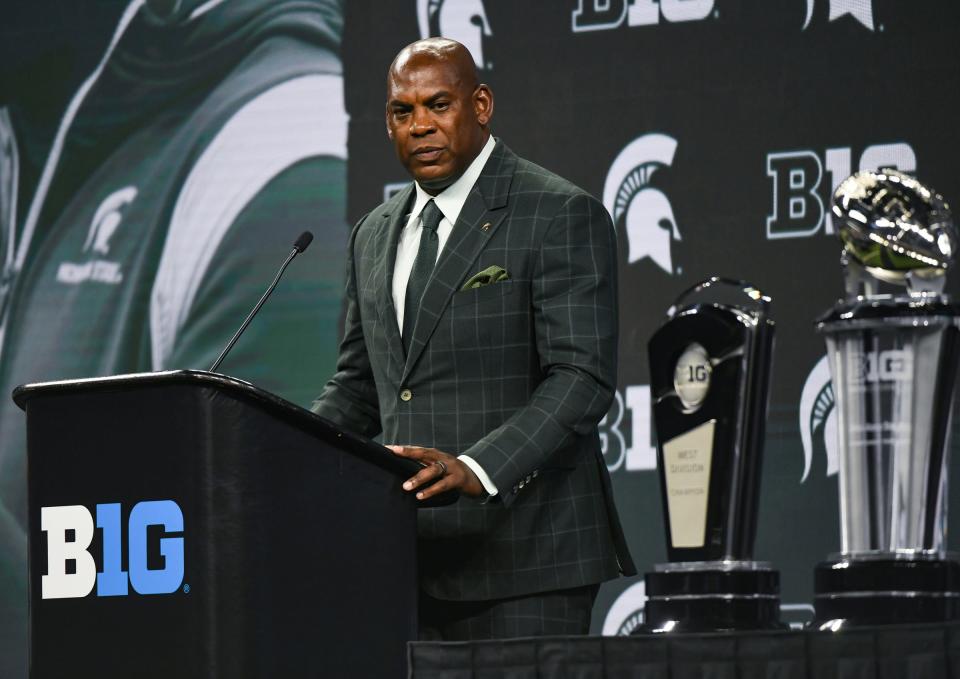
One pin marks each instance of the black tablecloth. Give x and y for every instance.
(896, 652)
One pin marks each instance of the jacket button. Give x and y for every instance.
(406, 395)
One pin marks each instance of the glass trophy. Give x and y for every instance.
(709, 374)
(893, 358)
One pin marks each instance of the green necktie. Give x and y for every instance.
(422, 268)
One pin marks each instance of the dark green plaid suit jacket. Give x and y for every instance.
(515, 374)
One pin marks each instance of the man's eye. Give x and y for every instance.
(400, 114)
(441, 106)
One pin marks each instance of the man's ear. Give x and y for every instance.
(483, 104)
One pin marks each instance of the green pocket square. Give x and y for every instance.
(492, 274)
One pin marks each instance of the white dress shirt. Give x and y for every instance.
(450, 201)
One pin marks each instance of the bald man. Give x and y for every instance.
(481, 340)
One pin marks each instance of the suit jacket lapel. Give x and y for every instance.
(482, 213)
(393, 220)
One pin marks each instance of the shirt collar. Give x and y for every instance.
(451, 199)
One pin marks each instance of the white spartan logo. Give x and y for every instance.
(626, 613)
(107, 219)
(650, 224)
(818, 418)
(861, 10)
(462, 20)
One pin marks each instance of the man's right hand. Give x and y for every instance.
(443, 472)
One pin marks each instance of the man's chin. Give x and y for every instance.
(434, 184)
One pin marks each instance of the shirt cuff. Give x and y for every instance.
(485, 480)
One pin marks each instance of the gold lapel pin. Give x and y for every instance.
(485, 227)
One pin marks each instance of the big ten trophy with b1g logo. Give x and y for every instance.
(894, 360)
(709, 372)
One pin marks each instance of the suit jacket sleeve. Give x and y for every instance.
(574, 300)
(349, 399)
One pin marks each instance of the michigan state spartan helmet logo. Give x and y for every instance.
(648, 216)
(107, 219)
(626, 613)
(818, 420)
(462, 20)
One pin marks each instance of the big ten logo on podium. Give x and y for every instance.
(72, 570)
(803, 181)
(602, 15)
(626, 433)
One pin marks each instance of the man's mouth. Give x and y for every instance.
(427, 154)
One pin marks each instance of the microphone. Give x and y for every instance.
(299, 246)
(302, 242)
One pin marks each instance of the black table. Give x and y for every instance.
(895, 652)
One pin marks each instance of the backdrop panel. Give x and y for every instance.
(715, 132)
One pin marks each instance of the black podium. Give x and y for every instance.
(231, 534)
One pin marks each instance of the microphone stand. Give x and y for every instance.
(298, 247)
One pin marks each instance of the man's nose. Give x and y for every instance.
(421, 123)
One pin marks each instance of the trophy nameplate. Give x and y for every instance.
(686, 467)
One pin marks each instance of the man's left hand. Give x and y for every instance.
(443, 471)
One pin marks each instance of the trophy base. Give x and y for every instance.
(885, 589)
(711, 596)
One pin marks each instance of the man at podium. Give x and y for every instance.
(481, 340)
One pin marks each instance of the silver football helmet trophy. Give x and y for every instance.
(893, 357)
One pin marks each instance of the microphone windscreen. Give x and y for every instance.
(303, 241)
